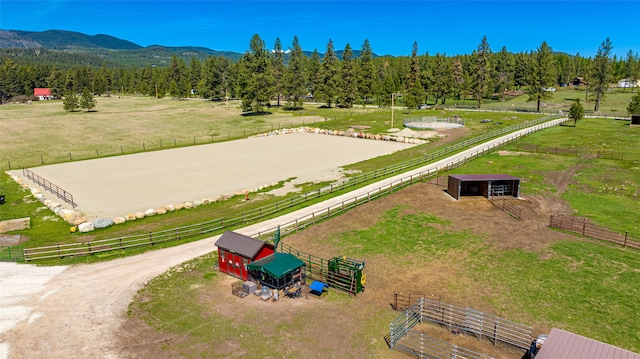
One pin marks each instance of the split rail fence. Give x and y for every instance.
(583, 226)
(257, 214)
(403, 336)
(49, 186)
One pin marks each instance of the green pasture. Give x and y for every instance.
(614, 103)
(605, 190)
(44, 133)
(588, 288)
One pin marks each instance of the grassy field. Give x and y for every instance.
(605, 190)
(409, 240)
(614, 103)
(44, 133)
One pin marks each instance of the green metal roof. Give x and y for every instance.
(276, 264)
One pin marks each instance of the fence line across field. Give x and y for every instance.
(583, 226)
(97, 246)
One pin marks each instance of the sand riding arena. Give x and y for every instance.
(129, 186)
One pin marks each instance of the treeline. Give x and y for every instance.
(290, 77)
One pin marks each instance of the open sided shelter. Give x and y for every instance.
(236, 251)
(566, 345)
(485, 185)
(635, 120)
(278, 270)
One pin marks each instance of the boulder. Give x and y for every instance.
(188, 205)
(161, 210)
(171, 208)
(179, 206)
(150, 212)
(130, 217)
(102, 222)
(119, 220)
(85, 227)
(197, 203)
(139, 215)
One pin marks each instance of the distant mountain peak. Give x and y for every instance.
(57, 39)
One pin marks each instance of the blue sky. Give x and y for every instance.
(450, 27)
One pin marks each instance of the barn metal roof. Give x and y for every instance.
(276, 264)
(245, 246)
(566, 345)
(485, 177)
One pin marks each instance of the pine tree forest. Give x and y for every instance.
(337, 77)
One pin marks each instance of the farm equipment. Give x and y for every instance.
(346, 274)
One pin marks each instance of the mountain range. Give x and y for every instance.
(106, 48)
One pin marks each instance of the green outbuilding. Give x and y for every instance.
(278, 271)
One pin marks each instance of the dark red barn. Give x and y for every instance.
(236, 251)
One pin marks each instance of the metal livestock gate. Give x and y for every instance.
(466, 320)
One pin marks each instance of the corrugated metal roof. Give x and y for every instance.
(245, 246)
(486, 177)
(276, 264)
(566, 345)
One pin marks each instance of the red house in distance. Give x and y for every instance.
(43, 93)
(236, 251)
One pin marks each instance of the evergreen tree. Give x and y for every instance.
(348, 86)
(366, 73)
(522, 71)
(443, 82)
(55, 81)
(482, 67)
(327, 87)
(86, 100)
(542, 75)
(194, 74)
(576, 112)
(384, 85)
(314, 65)
(634, 105)
(458, 77)
(295, 76)
(9, 81)
(277, 65)
(255, 77)
(630, 70)
(174, 90)
(413, 86)
(425, 63)
(503, 71)
(70, 101)
(600, 74)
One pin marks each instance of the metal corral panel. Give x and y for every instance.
(566, 345)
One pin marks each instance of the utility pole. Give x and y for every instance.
(392, 97)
